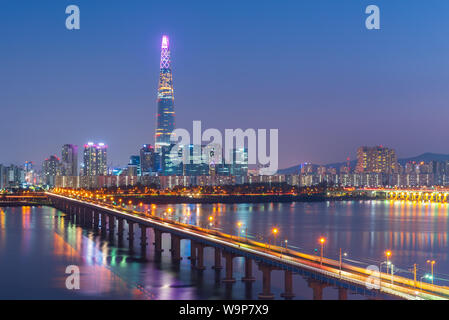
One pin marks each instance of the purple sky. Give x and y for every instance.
(308, 68)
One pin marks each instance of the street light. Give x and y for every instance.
(432, 262)
(426, 276)
(275, 232)
(211, 219)
(322, 240)
(239, 225)
(388, 255)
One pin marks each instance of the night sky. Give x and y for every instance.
(309, 68)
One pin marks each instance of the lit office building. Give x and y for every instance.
(168, 164)
(147, 160)
(239, 166)
(196, 165)
(134, 166)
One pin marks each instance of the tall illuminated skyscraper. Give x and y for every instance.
(165, 99)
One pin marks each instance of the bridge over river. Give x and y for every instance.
(319, 271)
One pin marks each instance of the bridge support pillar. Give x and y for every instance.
(200, 248)
(192, 253)
(73, 213)
(217, 265)
(266, 282)
(83, 217)
(103, 222)
(248, 270)
(158, 241)
(317, 287)
(342, 293)
(143, 237)
(96, 219)
(228, 258)
(69, 214)
(111, 225)
(288, 285)
(131, 234)
(120, 228)
(77, 216)
(88, 215)
(80, 215)
(176, 248)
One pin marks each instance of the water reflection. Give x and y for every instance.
(414, 231)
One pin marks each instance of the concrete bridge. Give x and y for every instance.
(320, 273)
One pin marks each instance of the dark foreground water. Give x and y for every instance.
(38, 243)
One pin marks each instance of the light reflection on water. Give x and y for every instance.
(39, 243)
(414, 231)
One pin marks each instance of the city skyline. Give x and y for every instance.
(230, 71)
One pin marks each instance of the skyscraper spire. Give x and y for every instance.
(165, 99)
(165, 53)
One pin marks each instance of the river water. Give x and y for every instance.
(38, 243)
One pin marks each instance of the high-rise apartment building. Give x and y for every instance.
(69, 160)
(95, 159)
(30, 177)
(90, 159)
(102, 165)
(377, 159)
(50, 169)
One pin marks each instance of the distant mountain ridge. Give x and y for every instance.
(426, 157)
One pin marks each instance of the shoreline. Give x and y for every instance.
(211, 199)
